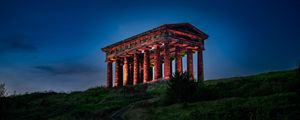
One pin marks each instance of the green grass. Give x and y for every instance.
(273, 95)
(277, 106)
(91, 104)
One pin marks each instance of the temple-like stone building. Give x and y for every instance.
(139, 59)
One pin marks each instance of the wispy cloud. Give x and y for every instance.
(57, 77)
(16, 43)
(68, 69)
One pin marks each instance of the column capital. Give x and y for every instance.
(146, 48)
(109, 61)
(117, 59)
(201, 47)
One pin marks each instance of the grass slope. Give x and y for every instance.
(95, 103)
(273, 95)
(267, 96)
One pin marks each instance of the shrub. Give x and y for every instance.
(180, 88)
(2, 90)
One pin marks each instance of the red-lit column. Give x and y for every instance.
(109, 74)
(167, 63)
(200, 65)
(178, 60)
(171, 67)
(190, 63)
(141, 70)
(121, 73)
(126, 71)
(151, 73)
(135, 68)
(146, 65)
(157, 63)
(117, 76)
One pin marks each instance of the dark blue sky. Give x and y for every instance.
(55, 44)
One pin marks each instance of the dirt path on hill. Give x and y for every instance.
(118, 114)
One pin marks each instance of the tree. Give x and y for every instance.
(2, 90)
(180, 88)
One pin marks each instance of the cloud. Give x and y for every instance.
(68, 69)
(16, 43)
(57, 77)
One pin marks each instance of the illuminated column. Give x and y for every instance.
(146, 65)
(167, 63)
(141, 69)
(126, 71)
(151, 72)
(190, 63)
(178, 60)
(109, 74)
(157, 63)
(118, 74)
(171, 67)
(200, 65)
(130, 79)
(135, 68)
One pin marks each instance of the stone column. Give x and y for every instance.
(167, 63)
(178, 60)
(151, 73)
(141, 69)
(109, 74)
(146, 65)
(117, 71)
(190, 63)
(200, 65)
(157, 63)
(135, 68)
(121, 73)
(130, 80)
(126, 71)
(171, 67)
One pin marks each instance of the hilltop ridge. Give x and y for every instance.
(272, 95)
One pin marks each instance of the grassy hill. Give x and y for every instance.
(273, 95)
